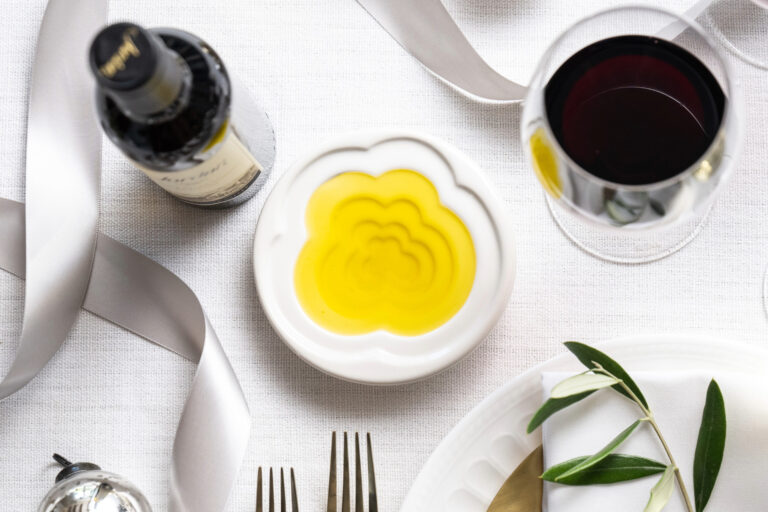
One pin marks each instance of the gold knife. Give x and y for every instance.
(522, 492)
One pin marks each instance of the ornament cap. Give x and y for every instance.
(72, 468)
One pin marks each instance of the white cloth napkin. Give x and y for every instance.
(677, 400)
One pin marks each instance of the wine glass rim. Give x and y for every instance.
(727, 72)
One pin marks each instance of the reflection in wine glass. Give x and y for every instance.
(742, 27)
(631, 135)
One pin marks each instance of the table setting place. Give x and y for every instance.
(415, 255)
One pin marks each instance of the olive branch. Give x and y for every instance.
(607, 467)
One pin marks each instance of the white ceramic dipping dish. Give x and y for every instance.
(381, 357)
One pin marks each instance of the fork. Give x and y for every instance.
(271, 499)
(373, 505)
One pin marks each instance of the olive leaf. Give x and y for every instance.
(582, 383)
(588, 356)
(552, 406)
(709, 447)
(612, 469)
(662, 491)
(602, 454)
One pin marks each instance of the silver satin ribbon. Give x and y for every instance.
(63, 168)
(68, 265)
(428, 32)
(133, 291)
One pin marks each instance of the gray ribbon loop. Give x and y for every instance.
(428, 32)
(133, 291)
(63, 169)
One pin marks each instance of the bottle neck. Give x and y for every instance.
(163, 96)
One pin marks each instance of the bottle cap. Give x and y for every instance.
(124, 56)
(135, 68)
(71, 468)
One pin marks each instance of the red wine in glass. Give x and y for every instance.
(634, 110)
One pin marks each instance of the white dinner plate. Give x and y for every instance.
(469, 466)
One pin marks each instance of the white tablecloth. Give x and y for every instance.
(320, 68)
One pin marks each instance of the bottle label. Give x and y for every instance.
(225, 173)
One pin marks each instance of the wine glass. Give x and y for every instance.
(742, 27)
(631, 135)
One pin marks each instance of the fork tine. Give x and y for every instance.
(294, 497)
(345, 478)
(282, 491)
(358, 476)
(258, 493)
(373, 503)
(271, 492)
(332, 479)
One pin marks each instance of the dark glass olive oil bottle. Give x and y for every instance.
(165, 99)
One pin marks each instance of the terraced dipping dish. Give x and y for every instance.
(383, 257)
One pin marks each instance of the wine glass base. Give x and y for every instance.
(630, 247)
(741, 26)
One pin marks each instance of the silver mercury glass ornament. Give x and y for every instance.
(84, 487)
